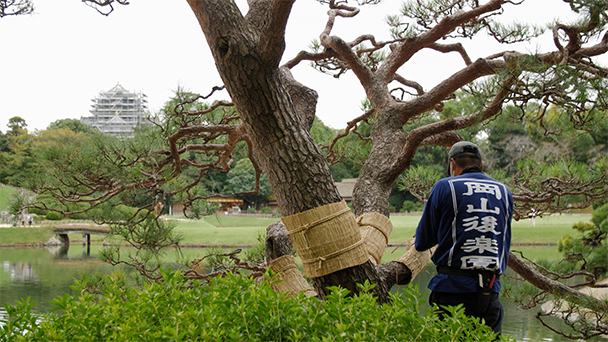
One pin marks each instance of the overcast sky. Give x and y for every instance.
(57, 60)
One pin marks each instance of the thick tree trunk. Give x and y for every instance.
(349, 278)
(378, 175)
(399, 272)
(295, 168)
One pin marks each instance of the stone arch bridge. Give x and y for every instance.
(86, 229)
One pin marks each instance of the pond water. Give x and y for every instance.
(45, 274)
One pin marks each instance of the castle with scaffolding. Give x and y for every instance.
(117, 112)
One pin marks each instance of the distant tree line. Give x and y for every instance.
(545, 142)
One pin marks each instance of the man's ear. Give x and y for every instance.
(481, 166)
(451, 167)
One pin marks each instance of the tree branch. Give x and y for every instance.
(334, 157)
(457, 47)
(418, 135)
(551, 286)
(15, 7)
(402, 52)
(100, 5)
(427, 101)
(408, 83)
(342, 48)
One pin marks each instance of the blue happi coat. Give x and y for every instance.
(468, 217)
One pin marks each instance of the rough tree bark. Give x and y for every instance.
(247, 51)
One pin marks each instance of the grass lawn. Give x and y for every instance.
(238, 221)
(24, 235)
(404, 228)
(538, 252)
(194, 235)
(549, 229)
(223, 229)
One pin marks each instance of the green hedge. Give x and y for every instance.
(231, 308)
(53, 216)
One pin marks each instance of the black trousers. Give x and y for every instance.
(493, 314)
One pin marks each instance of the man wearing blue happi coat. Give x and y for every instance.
(468, 216)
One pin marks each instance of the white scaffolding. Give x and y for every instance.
(117, 112)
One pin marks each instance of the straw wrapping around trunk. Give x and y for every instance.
(414, 260)
(375, 230)
(327, 238)
(293, 281)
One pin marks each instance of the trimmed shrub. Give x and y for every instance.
(232, 308)
(53, 216)
(80, 216)
(38, 212)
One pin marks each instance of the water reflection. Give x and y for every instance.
(61, 251)
(21, 272)
(44, 274)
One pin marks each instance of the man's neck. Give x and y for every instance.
(471, 170)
